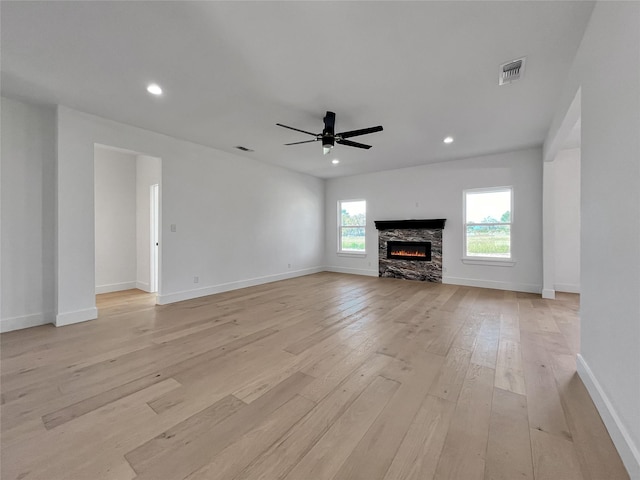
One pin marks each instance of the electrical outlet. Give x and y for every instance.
(288, 265)
(173, 227)
(196, 279)
(369, 263)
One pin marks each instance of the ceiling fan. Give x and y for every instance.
(329, 137)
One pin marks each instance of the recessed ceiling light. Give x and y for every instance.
(154, 89)
(448, 140)
(335, 161)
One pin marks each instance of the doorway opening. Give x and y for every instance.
(561, 214)
(128, 193)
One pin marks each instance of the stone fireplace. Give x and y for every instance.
(410, 249)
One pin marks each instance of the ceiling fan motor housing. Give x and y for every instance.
(328, 134)
(327, 140)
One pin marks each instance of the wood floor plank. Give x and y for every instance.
(411, 306)
(509, 445)
(543, 400)
(324, 384)
(66, 414)
(186, 431)
(283, 455)
(325, 457)
(467, 335)
(393, 345)
(454, 301)
(509, 372)
(439, 332)
(485, 351)
(230, 461)
(317, 354)
(313, 339)
(328, 362)
(205, 384)
(418, 455)
(554, 457)
(111, 425)
(186, 458)
(547, 323)
(510, 327)
(374, 453)
(276, 372)
(552, 342)
(463, 454)
(452, 374)
(384, 379)
(58, 417)
(113, 372)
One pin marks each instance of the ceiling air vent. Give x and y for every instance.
(511, 71)
(244, 149)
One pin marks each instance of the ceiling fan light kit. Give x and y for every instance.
(330, 138)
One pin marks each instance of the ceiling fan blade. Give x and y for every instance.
(362, 131)
(305, 141)
(297, 129)
(349, 143)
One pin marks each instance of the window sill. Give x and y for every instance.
(352, 254)
(493, 262)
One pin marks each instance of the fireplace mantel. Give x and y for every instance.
(406, 224)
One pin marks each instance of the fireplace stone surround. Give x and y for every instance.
(420, 231)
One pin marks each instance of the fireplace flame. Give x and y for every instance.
(408, 253)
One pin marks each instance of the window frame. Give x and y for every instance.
(481, 259)
(346, 252)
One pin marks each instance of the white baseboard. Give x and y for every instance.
(145, 287)
(567, 288)
(115, 287)
(621, 439)
(353, 271)
(472, 282)
(548, 293)
(25, 321)
(165, 299)
(68, 318)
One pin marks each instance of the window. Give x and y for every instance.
(488, 218)
(352, 220)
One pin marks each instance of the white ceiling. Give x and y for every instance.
(232, 70)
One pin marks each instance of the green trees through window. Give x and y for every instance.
(488, 222)
(352, 226)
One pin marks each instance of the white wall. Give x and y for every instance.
(566, 170)
(148, 172)
(548, 231)
(115, 220)
(238, 222)
(28, 182)
(435, 191)
(609, 363)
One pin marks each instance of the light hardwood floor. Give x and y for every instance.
(327, 376)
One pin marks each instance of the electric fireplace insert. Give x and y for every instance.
(418, 251)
